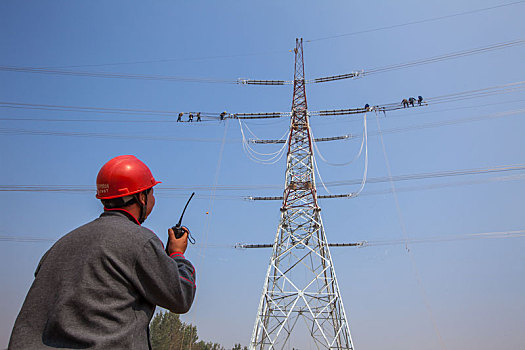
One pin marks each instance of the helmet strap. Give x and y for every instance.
(143, 207)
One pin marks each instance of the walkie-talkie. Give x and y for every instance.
(177, 229)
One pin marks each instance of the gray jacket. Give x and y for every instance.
(97, 288)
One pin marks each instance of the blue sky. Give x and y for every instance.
(470, 292)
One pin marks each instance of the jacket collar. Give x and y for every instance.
(123, 212)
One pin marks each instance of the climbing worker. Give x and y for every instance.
(405, 103)
(223, 114)
(199, 116)
(190, 118)
(419, 100)
(179, 119)
(411, 100)
(98, 286)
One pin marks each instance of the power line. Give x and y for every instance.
(180, 59)
(210, 119)
(414, 22)
(359, 244)
(98, 120)
(243, 81)
(435, 174)
(424, 187)
(110, 110)
(7, 131)
(448, 238)
(197, 188)
(434, 111)
(454, 97)
(452, 55)
(439, 58)
(362, 73)
(204, 196)
(492, 89)
(450, 122)
(410, 128)
(114, 75)
(518, 177)
(433, 239)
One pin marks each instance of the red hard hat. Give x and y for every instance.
(123, 176)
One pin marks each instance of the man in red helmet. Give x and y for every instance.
(98, 286)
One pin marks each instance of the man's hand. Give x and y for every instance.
(177, 245)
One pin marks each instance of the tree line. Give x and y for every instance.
(168, 332)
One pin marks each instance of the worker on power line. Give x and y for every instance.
(419, 100)
(367, 107)
(98, 286)
(405, 103)
(223, 114)
(190, 118)
(411, 100)
(179, 119)
(198, 116)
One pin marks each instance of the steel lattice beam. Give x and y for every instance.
(300, 285)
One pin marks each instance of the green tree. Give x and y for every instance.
(166, 329)
(168, 332)
(239, 347)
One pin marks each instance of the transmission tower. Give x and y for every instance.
(300, 293)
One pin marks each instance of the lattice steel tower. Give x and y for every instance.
(300, 293)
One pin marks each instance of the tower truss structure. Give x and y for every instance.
(300, 297)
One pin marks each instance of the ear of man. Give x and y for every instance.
(142, 197)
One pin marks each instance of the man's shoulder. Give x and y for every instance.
(123, 227)
(109, 230)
